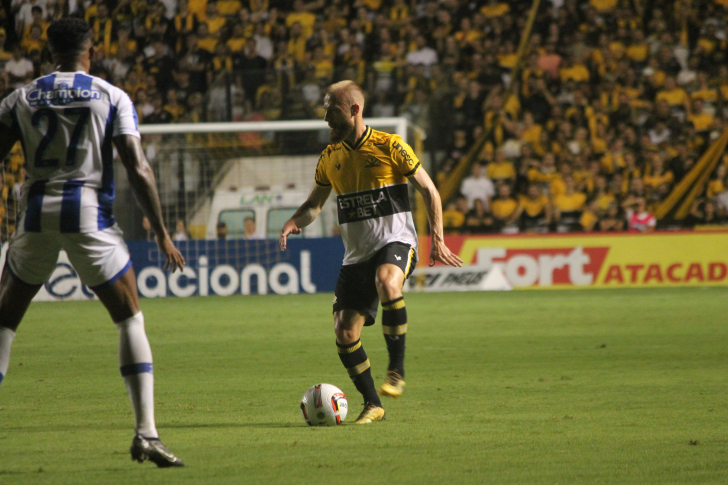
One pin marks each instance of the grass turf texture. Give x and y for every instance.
(522, 387)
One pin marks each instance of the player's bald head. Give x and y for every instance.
(347, 93)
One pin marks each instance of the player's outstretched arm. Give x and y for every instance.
(306, 214)
(433, 204)
(141, 178)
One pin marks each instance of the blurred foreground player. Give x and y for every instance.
(66, 122)
(369, 170)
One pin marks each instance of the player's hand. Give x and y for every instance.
(289, 227)
(440, 252)
(174, 257)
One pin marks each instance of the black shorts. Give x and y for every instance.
(356, 288)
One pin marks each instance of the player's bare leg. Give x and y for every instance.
(389, 281)
(15, 297)
(347, 326)
(135, 361)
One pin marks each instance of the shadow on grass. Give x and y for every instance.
(234, 425)
(62, 428)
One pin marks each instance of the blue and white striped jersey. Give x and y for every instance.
(66, 122)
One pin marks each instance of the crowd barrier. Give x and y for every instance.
(553, 261)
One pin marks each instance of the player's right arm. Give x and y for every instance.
(141, 178)
(306, 214)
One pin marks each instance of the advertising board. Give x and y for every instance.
(682, 258)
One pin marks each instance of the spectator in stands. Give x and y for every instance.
(252, 66)
(717, 183)
(477, 186)
(159, 115)
(704, 212)
(33, 41)
(18, 69)
(422, 53)
(382, 106)
(501, 169)
(160, 65)
(568, 206)
(180, 232)
(250, 231)
(505, 210)
(534, 212)
(479, 220)
(452, 218)
(613, 220)
(176, 109)
(222, 231)
(639, 219)
(607, 88)
(658, 178)
(195, 61)
(590, 217)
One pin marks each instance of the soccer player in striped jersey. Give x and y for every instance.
(68, 123)
(369, 171)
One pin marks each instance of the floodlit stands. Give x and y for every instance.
(611, 101)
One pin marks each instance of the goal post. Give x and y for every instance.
(243, 175)
(196, 162)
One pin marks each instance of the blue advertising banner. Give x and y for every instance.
(216, 268)
(240, 267)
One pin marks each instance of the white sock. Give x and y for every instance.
(6, 340)
(135, 362)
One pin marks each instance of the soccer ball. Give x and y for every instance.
(324, 405)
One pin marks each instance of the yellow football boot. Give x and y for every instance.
(393, 385)
(370, 414)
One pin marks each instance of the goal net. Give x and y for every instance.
(240, 181)
(234, 181)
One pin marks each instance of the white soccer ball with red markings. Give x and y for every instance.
(324, 405)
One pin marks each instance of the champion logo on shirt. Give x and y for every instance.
(46, 93)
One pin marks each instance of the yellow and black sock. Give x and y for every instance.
(357, 365)
(394, 326)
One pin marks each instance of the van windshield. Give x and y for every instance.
(234, 219)
(276, 218)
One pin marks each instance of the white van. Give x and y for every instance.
(270, 208)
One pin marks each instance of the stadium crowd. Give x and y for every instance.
(615, 102)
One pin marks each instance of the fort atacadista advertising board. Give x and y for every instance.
(682, 258)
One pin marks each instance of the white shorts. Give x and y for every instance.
(99, 258)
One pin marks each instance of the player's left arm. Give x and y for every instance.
(438, 250)
(141, 179)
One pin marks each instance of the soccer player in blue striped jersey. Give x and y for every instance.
(68, 123)
(369, 171)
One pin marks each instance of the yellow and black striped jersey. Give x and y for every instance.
(370, 181)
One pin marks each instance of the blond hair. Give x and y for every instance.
(349, 92)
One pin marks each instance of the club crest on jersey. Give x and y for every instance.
(62, 95)
(372, 162)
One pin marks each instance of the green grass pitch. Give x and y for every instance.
(615, 386)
